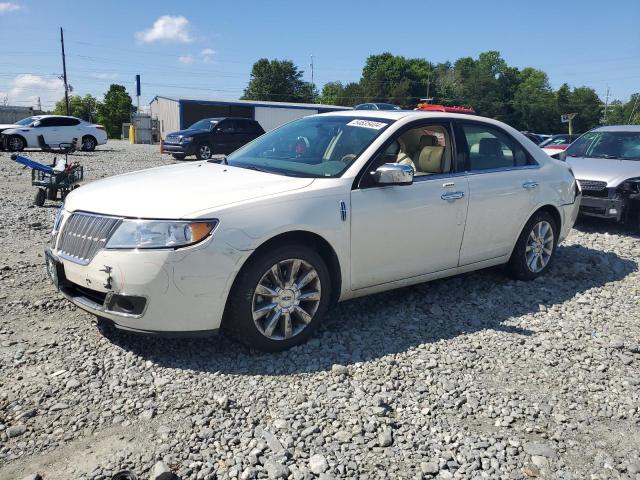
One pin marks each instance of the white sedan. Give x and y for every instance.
(323, 209)
(56, 130)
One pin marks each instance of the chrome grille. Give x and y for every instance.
(592, 185)
(84, 234)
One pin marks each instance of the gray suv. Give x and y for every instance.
(606, 162)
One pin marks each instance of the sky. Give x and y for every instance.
(191, 49)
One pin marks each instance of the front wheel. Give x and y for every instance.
(535, 248)
(16, 143)
(279, 299)
(204, 152)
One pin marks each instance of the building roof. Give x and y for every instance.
(217, 101)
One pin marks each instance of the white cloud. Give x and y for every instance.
(186, 59)
(207, 55)
(104, 76)
(8, 7)
(167, 28)
(24, 90)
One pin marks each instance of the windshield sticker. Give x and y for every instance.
(366, 124)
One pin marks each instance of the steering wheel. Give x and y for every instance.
(350, 157)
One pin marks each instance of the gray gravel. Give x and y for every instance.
(473, 377)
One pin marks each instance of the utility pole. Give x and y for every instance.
(606, 106)
(312, 84)
(64, 72)
(39, 105)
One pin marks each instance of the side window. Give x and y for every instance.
(70, 122)
(244, 126)
(427, 149)
(490, 148)
(227, 126)
(49, 122)
(255, 127)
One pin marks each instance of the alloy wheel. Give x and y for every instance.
(539, 246)
(88, 144)
(205, 152)
(286, 299)
(16, 143)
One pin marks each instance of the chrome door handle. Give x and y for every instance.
(452, 195)
(529, 185)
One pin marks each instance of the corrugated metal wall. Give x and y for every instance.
(168, 114)
(10, 115)
(271, 118)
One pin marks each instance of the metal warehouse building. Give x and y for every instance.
(178, 113)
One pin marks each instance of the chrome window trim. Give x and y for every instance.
(503, 169)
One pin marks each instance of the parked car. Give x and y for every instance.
(377, 106)
(535, 138)
(606, 161)
(557, 143)
(212, 136)
(56, 130)
(323, 209)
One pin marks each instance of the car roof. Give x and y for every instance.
(617, 128)
(412, 114)
(56, 116)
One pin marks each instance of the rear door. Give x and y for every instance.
(503, 190)
(69, 129)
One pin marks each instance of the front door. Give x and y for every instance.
(399, 232)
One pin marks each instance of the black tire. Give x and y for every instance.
(178, 156)
(52, 194)
(89, 143)
(519, 267)
(40, 197)
(204, 151)
(15, 143)
(238, 320)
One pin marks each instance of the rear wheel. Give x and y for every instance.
(279, 298)
(88, 143)
(204, 152)
(16, 143)
(40, 197)
(535, 248)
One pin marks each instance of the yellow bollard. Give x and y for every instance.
(132, 134)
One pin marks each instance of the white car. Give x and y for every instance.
(323, 209)
(56, 130)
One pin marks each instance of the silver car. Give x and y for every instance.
(606, 162)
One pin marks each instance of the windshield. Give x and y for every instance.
(620, 145)
(204, 124)
(555, 141)
(318, 146)
(26, 121)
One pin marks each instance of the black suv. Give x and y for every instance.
(212, 136)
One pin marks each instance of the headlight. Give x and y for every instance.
(160, 234)
(58, 219)
(632, 185)
(186, 139)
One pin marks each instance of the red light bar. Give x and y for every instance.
(427, 107)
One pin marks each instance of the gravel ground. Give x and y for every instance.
(477, 376)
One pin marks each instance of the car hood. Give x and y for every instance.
(188, 132)
(177, 191)
(607, 170)
(7, 126)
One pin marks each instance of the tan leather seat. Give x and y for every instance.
(430, 158)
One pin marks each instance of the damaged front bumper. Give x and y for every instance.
(171, 292)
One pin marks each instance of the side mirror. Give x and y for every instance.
(393, 174)
(36, 124)
(562, 155)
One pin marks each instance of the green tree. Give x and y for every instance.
(81, 107)
(115, 110)
(330, 92)
(534, 102)
(278, 80)
(621, 113)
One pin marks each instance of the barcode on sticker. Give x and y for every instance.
(366, 124)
